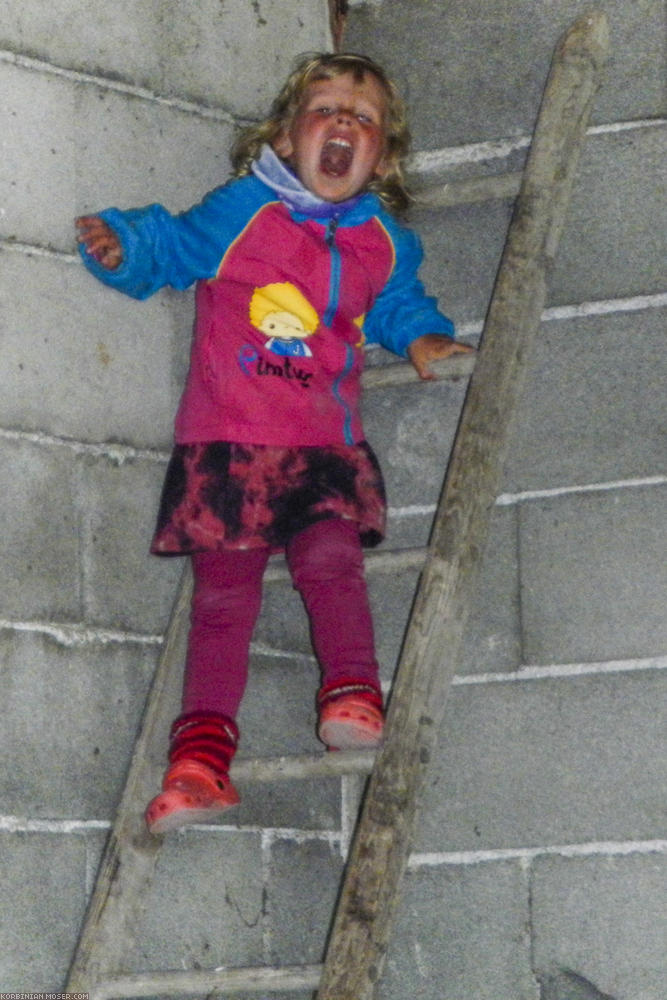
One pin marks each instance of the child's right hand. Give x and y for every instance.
(99, 240)
(431, 347)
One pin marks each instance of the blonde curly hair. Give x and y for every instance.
(391, 187)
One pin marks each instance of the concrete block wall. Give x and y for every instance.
(538, 872)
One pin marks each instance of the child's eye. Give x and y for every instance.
(324, 110)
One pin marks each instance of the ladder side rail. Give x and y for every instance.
(130, 855)
(362, 925)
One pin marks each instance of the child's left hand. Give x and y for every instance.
(432, 347)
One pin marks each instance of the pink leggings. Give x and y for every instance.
(326, 565)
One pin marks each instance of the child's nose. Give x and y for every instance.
(345, 115)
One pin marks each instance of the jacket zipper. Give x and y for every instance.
(347, 419)
(334, 295)
(334, 278)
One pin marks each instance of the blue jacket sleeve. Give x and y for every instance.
(402, 311)
(162, 249)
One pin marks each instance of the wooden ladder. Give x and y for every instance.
(362, 923)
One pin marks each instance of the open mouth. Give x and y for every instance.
(336, 157)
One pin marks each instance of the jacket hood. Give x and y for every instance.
(275, 173)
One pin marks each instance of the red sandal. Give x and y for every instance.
(191, 793)
(351, 717)
(196, 786)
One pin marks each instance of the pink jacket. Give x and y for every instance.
(281, 301)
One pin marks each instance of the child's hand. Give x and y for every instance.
(100, 241)
(432, 347)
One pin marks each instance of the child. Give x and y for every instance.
(298, 263)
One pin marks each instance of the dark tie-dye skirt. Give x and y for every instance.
(220, 495)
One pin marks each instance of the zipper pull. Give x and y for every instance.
(331, 231)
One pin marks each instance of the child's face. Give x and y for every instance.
(336, 141)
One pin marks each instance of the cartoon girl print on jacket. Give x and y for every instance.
(282, 313)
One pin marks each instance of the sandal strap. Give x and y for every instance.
(364, 690)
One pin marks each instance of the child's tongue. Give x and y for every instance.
(335, 159)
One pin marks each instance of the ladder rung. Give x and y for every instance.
(455, 367)
(323, 765)
(389, 560)
(378, 562)
(493, 187)
(197, 981)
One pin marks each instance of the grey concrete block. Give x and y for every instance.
(122, 40)
(476, 71)
(556, 761)
(283, 623)
(615, 238)
(594, 576)
(71, 148)
(408, 527)
(613, 243)
(125, 587)
(492, 639)
(461, 932)
(593, 406)
(280, 688)
(462, 248)
(602, 918)
(132, 151)
(411, 428)
(206, 54)
(391, 596)
(303, 884)
(72, 713)
(38, 170)
(304, 804)
(41, 906)
(84, 362)
(40, 549)
(230, 54)
(205, 906)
